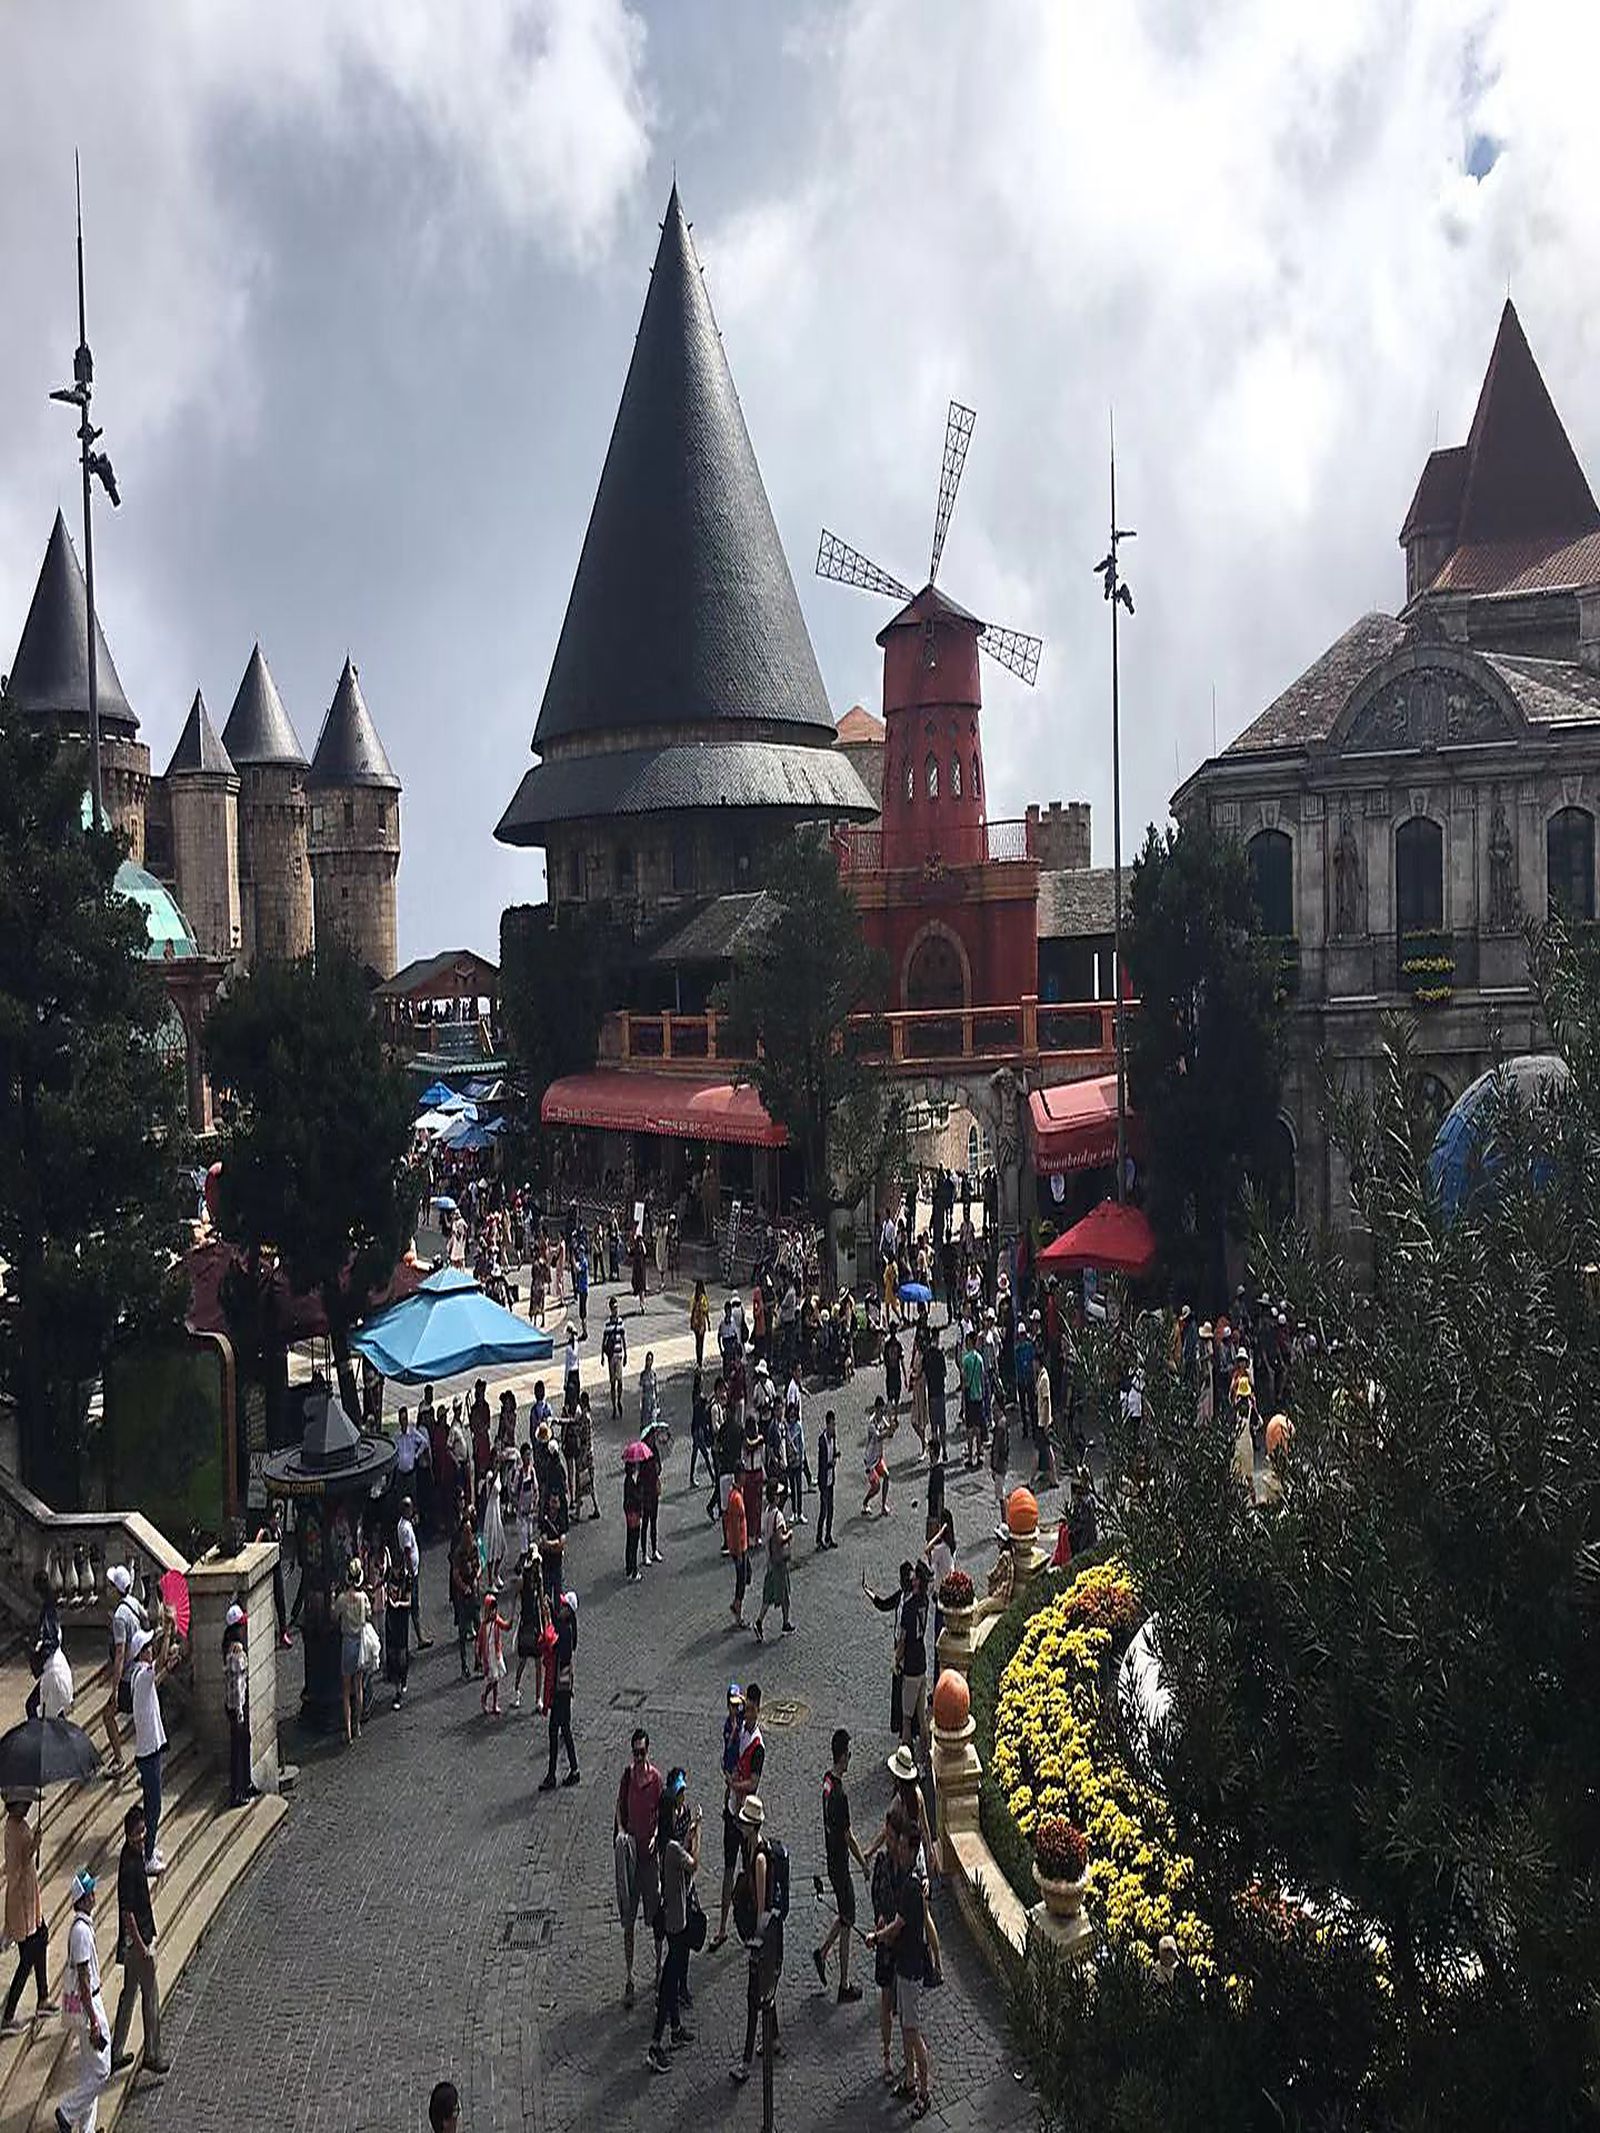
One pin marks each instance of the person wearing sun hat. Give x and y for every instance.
(760, 1926)
(90, 2066)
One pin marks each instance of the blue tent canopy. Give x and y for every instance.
(447, 1327)
(436, 1095)
(1463, 1154)
(467, 1138)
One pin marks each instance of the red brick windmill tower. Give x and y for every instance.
(948, 893)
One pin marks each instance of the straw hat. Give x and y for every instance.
(901, 1765)
(752, 1814)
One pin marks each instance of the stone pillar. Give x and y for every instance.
(215, 1583)
(956, 1766)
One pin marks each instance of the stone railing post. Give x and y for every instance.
(215, 1582)
(956, 1765)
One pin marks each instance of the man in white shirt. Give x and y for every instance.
(91, 2062)
(126, 1622)
(405, 1539)
(147, 1652)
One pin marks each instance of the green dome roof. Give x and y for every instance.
(168, 928)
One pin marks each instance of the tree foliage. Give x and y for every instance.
(314, 1164)
(787, 1007)
(1206, 1047)
(91, 1125)
(1386, 1685)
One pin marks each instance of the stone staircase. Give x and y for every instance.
(207, 1846)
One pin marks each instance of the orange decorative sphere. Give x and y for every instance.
(1279, 1430)
(952, 1700)
(1022, 1513)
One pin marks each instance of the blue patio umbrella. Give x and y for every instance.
(1464, 1156)
(466, 1138)
(434, 1096)
(914, 1292)
(461, 1104)
(448, 1326)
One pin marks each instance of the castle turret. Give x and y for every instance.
(49, 685)
(202, 796)
(355, 831)
(274, 869)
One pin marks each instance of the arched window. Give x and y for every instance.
(911, 781)
(955, 777)
(977, 776)
(1569, 852)
(935, 977)
(1418, 876)
(1270, 857)
(932, 769)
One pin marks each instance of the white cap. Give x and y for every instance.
(234, 1616)
(120, 1578)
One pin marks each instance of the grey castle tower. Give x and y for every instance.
(355, 831)
(274, 869)
(201, 789)
(49, 685)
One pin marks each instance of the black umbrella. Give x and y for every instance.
(45, 1751)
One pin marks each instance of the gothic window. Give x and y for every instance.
(932, 774)
(1270, 856)
(1569, 852)
(911, 781)
(1419, 876)
(977, 776)
(935, 977)
(955, 777)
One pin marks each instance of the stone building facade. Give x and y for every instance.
(353, 840)
(1433, 779)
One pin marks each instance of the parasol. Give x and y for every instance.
(174, 1591)
(633, 1453)
(45, 1751)
(914, 1292)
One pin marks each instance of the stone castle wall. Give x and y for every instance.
(1061, 834)
(275, 892)
(124, 788)
(354, 849)
(204, 815)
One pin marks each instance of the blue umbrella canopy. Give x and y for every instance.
(439, 1092)
(914, 1292)
(1463, 1154)
(466, 1138)
(447, 1326)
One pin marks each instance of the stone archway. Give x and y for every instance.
(936, 972)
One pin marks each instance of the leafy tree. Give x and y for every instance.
(787, 1008)
(1205, 1049)
(1386, 1683)
(314, 1164)
(90, 1115)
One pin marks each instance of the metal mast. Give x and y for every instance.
(1119, 596)
(95, 466)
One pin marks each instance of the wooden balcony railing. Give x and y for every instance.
(870, 849)
(954, 1036)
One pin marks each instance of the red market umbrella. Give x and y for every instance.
(174, 1591)
(1113, 1239)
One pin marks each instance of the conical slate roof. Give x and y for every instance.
(259, 729)
(50, 674)
(349, 751)
(683, 609)
(198, 748)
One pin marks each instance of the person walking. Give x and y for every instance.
(148, 1660)
(736, 1538)
(827, 1469)
(90, 2066)
(571, 1378)
(532, 1618)
(352, 1612)
(839, 1846)
(879, 1431)
(492, 1627)
(777, 1536)
(906, 1935)
(744, 1758)
(564, 1656)
(632, 1518)
(885, 1854)
(650, 1495)
(463, 1590)
(911, 1654)
(136, 1952)
(636, 1269)
(25, 1921)
(399, 1596)
(127, 1622)
(678, 1851)
(580, 1285)
(46, 1642)
(760, 1902)
(633, 1844)
(614, 1349)
(410, 1554)
(236, 1704)
(794, 1444)
(893, 1371)
(700, 1322)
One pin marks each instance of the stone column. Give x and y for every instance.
(956, 1766)
(215, 1583)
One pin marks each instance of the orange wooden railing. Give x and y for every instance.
(957, 1036)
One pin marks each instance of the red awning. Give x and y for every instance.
(1074, 1125)
(1116, 1240)
(676, 1107)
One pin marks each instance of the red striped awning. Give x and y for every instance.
(1074, 1125)
(674, 1106)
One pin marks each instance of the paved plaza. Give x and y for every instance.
(426, 1913)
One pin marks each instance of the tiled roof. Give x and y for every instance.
(1436, 506)
(820, 783)
(199, 749)
(259, 728)
(1076, 903)
(683, 607)
(428, 968)
(1526, 566)
(1550, 691)
(1307, 709)
(859, 726)
(349, 751)
(50, 674)
(722, 928)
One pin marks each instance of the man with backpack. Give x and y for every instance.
(839, 1843)
(760, 1906)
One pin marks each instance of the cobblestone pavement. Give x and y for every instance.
(424, 1912)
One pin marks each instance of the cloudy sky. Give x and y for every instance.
(365, 277)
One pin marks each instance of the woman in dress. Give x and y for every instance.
(532, 1615)
(493, 1529)
(699, 1322)
(352, 1613)
(397, 1625)
(464, 1586)
(491, 1655)
(649, 1393)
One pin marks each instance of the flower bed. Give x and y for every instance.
(957, 1590)
(1048, 1752)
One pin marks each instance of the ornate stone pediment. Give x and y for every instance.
(1426, 707)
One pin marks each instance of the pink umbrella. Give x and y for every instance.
(174, 1590)
(634, 1452)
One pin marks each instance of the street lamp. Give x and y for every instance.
(96, 467)
(1119, 596)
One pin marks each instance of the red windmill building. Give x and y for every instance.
(948, 894)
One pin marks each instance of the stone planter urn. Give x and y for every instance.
(1062, 1899)
(955, 1638)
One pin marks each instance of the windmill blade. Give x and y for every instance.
(1014, 650)
(837, 559)
(957, 436)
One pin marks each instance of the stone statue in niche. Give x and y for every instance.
(1346, 878)
(1502, 873)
